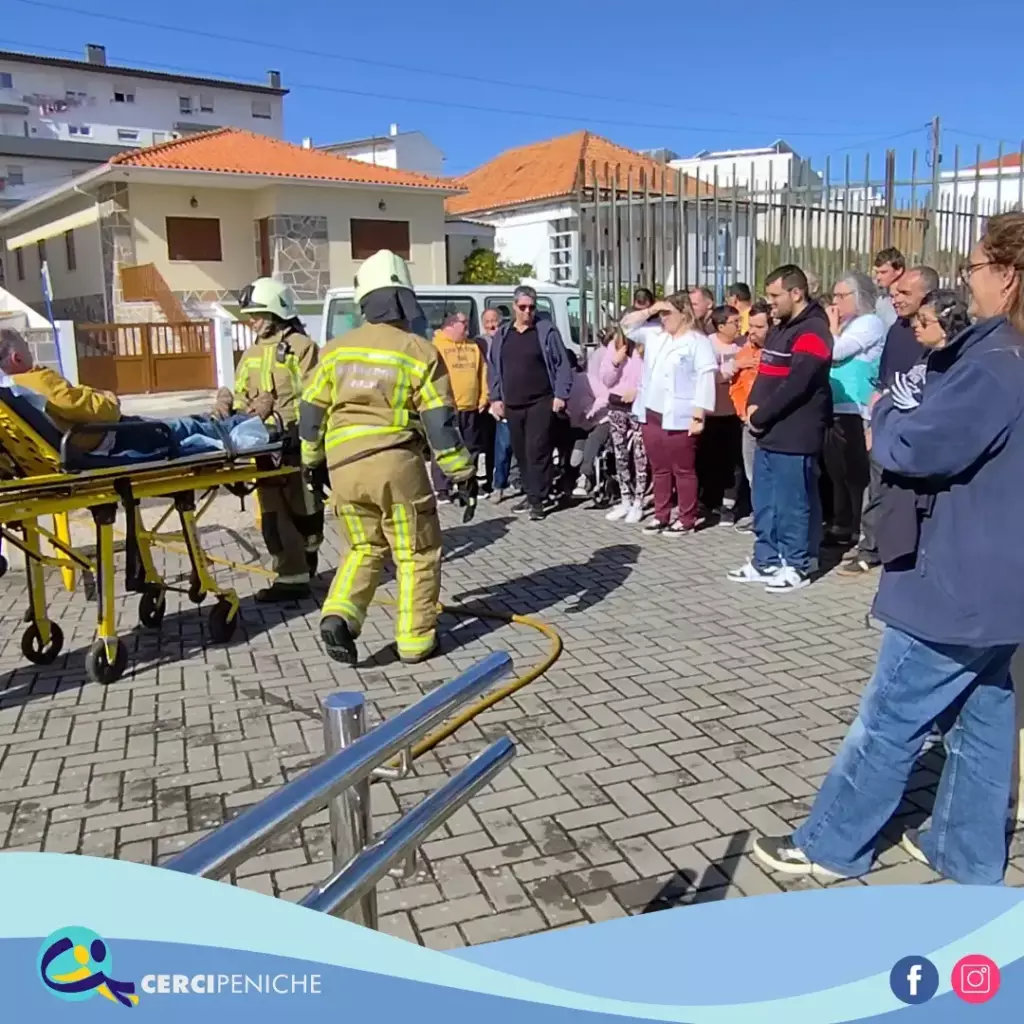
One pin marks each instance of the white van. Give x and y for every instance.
(562, 305)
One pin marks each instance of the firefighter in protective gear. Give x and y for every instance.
(379, 397)
(268, 381)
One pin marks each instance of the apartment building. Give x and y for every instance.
(60, 118)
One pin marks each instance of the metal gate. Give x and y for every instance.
(668, 230)
(131, 359)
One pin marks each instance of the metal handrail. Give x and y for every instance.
(232, 843)
(342, 892)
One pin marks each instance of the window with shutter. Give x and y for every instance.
(194, 239)
(369, 236)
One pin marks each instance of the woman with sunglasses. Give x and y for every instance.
(951, 606)
(677, 390)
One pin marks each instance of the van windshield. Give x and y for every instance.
(344, 315)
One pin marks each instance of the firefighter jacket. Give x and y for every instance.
(281, 365)
(380, 387)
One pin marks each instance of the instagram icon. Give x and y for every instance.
(975, 979)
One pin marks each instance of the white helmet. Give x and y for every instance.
(265, 295)
(384, 269)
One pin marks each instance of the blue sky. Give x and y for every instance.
(479, 77)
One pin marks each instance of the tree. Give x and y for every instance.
(482, 266)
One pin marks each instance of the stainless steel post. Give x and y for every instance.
(344, 723)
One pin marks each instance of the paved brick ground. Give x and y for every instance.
(685, 716)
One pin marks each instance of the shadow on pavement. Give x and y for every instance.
(685, 888)
(182, 634)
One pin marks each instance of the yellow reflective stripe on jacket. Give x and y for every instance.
(374, 357)
(428, 392)
(242, 372)
(453, 461)
(339, 435)
(267, 369)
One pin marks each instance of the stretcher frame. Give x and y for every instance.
(42, 487)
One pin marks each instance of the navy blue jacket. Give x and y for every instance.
(556, 359)
(791, 390)
(963, 447)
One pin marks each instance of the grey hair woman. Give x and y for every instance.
(858, 337)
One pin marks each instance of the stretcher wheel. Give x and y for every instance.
(196, 594)
(312, 562)
(152, 606)
(99, 669)
(222, 623)
(3, 566)
(33, 649)
(28, 616)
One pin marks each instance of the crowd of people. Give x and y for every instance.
(886, 420)
(696, 401)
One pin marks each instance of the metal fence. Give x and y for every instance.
(666, 230)
(341, 782)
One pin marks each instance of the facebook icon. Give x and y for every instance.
(914, 979)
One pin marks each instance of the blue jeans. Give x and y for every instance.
(968, 691)
(145, 441)
(787, 510)
(502, 456)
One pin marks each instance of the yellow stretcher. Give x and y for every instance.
(44, 473)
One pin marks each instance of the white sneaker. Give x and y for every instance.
(581, 490)
(787, 580)
(635, 513)
(749, 573)
(619, 512)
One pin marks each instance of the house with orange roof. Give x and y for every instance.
(529, 195)
(162, 233)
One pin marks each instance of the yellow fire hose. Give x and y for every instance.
(462, 611)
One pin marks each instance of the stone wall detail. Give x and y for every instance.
(117, 243)
(300, 244)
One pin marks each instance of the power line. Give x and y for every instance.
(391, 66)
(456, 105)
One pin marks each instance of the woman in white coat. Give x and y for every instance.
(676, 392)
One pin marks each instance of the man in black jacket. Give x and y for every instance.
(789, 408)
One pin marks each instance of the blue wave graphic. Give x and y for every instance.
(644, 958)
(122, 901)
(325, 992)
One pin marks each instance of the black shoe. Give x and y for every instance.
(537, 514)
(521, 506)
(779, 853)
(655, 527)
(415, 659)
(338, 640)
(277, 593)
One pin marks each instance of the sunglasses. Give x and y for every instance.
(525, 307)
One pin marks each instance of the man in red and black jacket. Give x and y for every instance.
(789, 408)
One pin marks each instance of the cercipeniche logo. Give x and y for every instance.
(75, 964)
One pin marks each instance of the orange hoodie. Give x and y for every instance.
(467, 370)
(747, 361)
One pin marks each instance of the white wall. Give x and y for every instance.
(749, 171)
(461, 238)
(524, 236)
(39, 174)
(407, 151)
(156, 106)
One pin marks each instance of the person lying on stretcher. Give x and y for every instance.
(68, 404)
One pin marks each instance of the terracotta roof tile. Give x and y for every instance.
(234, 151)
(1009, 160)
(548, 170)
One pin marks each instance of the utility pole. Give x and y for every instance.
(931, 242)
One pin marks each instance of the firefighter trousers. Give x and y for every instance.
(292, 523)
(384, 502)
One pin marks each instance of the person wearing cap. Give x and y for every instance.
(380, 396)
(269, 380)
